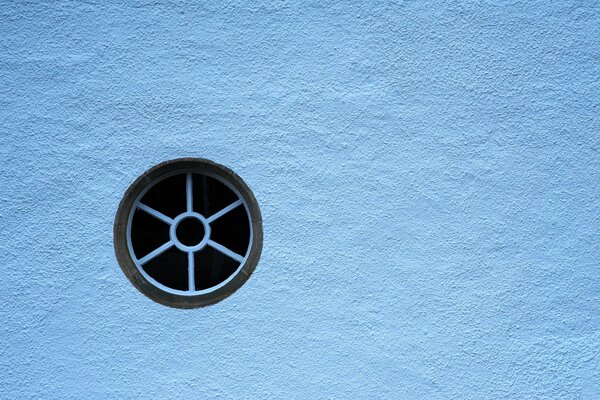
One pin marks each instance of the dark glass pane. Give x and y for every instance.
(212, 268)
(232, 230)
(170, 268)
(168, 196)
(210, 195)
(147, 233)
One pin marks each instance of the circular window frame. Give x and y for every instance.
(122, 240)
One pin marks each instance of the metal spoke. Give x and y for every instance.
(155, 253)
(224, 211)
(155, 213)
(225, 251)
(188, 192)
(191, 272)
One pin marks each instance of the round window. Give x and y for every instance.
(188, 233)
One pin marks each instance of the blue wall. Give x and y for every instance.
(428, 175)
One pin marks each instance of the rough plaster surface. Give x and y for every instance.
(428, 176)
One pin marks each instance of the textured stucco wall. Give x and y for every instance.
(428, 175)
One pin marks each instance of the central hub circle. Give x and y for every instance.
(190, 231)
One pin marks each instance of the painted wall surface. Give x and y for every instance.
(428, 175)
